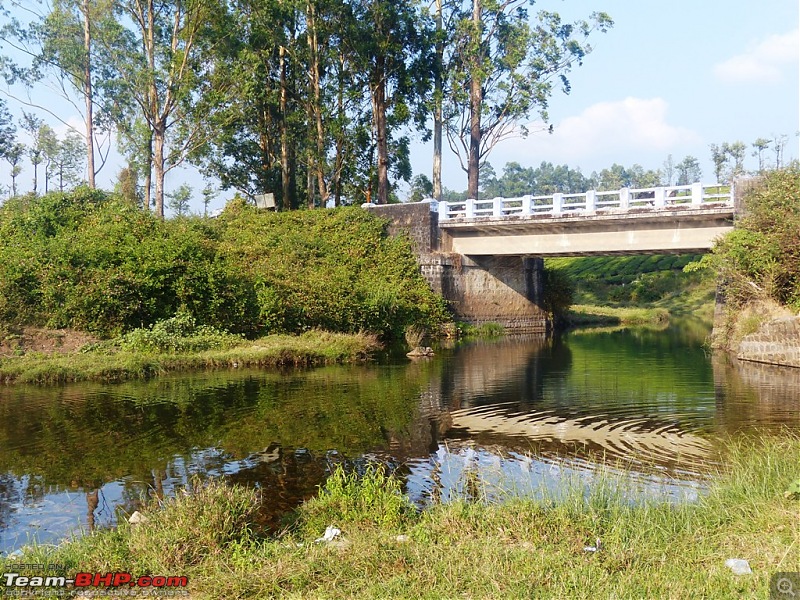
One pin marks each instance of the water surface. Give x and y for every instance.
(522, 414)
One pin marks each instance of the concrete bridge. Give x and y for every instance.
(485, 256)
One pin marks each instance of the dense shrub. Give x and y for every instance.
(760, 259)
(91, 261)
(181, 333)
(559, 292)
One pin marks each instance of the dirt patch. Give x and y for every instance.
(15, 341)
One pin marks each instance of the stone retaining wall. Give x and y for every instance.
(777, 342)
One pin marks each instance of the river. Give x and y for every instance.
(648, 405)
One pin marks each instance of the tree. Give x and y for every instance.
(501, 69)
(720, 159)
(48, 143)
(32, 125)
(760, 145)
(8, 131)
(68, 160)
(688, 171)
(668, 171)
(127, 185)
(179, 200)
(778, 145)
(735, 152)
(390, 50)
(421, 188)
(62, 48)
(166, 79)
(14, 157)
(209, 193)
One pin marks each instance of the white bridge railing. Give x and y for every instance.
(695, 195)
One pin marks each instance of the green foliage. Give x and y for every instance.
(793, 491)
(178, 334)
(91, 261)
(642, 279)
(760, 259)
(370, 499)
(559, 292)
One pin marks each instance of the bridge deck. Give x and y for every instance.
(642, 230)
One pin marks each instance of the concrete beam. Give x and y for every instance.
(650, 232)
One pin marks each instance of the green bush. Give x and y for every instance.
(559, 292)
(760, 259)
(178, 334)
(90, 261)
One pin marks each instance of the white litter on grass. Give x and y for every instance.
(596, 548)
(136, 518)
(739, 566)
(330, 534)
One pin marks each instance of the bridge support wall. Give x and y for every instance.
(503, 289)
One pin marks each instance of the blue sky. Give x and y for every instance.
(671, 77)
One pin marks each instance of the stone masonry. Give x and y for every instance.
(504, 289)
(777, 342)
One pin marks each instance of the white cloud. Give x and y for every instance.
(762, 62)
(619, 130)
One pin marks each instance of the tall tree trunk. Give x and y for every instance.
(287, 201)
(157, 127)
(159, 140)
(475, 102)
(382, 140)
(437, 105)
(316, 101)
(340, 116)
(88, 93)
(148, 172)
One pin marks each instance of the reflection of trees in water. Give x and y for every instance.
(151, 437)
(10, 495)
(752, 394)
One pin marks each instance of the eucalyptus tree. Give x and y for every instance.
(32, 125)
(389, 48)
(736, 152)
(62, 46)
(47, 141)
(8, 130)
(688, 171)
(258, 134)
(68, 160)
(760, 145)
(502, 66)
(13, 156)
(165, 79)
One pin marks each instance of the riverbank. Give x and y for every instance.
(635, 290)
(520, 549)
(101, 362)
(583, 314)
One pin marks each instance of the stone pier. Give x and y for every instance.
(481, 289)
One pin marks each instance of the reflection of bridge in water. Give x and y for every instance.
(516, 396)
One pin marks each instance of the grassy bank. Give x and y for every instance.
(635, 290)
(109, 362)
(584, 314)
(520, 549)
